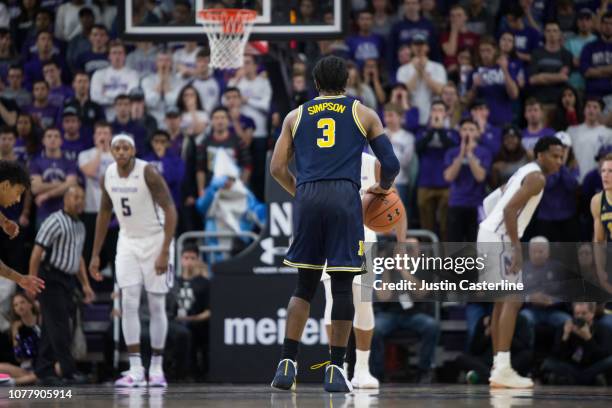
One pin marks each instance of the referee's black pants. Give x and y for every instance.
(58, 309)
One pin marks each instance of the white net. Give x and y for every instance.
(228, 32)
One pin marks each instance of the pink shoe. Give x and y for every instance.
(157, 380)
(131, 381)
(6, 379)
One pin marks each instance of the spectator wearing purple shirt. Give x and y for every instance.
(432, 143)
(28, 143)
(412, 23)
(42, 22)
(240, 124)
(534, 115)
(399, 95)
(58, 92)
(169, 165)
(526, 38)
(138, 111)
(556, 218)
(52, 174)
(490, 136)
(97, 57)
(365, 44)
(550, 67)
(74, 139)
(45, 114)
(596, 62)
(493, 82)
(34, 68)
(466, 168)
(184, 146)
(123, 123)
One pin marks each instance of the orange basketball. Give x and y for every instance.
(382, 212)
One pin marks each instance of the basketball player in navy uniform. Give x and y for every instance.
(14, 180)
(327, 136)
(601, 210)
(147, 220)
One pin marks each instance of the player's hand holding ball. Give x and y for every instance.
(382, 209)
(161, 263)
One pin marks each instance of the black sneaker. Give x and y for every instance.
(336, 380)
(284, 379)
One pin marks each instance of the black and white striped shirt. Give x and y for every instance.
(63, 238)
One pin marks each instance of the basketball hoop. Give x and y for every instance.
(228, 31)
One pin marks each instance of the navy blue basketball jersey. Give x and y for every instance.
(606, 216)
(328, 140)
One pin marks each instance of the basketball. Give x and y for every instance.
(382, 212)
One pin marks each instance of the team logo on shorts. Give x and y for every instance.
(361, 250)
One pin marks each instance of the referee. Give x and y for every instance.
(57, 258)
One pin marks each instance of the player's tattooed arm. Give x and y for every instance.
(161, 195)
(283, 154)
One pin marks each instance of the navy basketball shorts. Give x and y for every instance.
(327, 227)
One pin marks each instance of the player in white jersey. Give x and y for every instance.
(147, 219)
(508, 211)
(363, 322)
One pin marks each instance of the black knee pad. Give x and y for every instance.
(308, 281)
(342, 294)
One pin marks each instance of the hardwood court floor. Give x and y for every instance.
(239, 396)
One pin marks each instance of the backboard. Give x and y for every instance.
(139, 20)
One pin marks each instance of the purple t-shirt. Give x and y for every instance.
(491, 138)
(172, 168)
(47, 116)
(245, 121)
(92, 61)
(527, 39)
(363, 48)
(530, 139)
(493, 91)
(559, 198)
(402, 33)
(72, 148)
(431, 160)
(51, 170)
(58, 95)
(465, 191)
(597, 54)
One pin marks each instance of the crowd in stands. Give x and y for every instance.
(521, 70)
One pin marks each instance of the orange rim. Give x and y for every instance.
(233, 20)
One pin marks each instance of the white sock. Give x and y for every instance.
(362, 358)
(135, 363)
(156, 364)
(503, 359)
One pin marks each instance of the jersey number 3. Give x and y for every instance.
(329, 132)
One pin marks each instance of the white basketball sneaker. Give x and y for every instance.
(363, 379)
(506, 377)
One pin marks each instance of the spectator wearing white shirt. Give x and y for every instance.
(67, 24)
(205, 83)
(257, 94)
(423, 77)
(162, 88)
(589, 137)
(117, 79)
(185, 59)
(93, 163)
